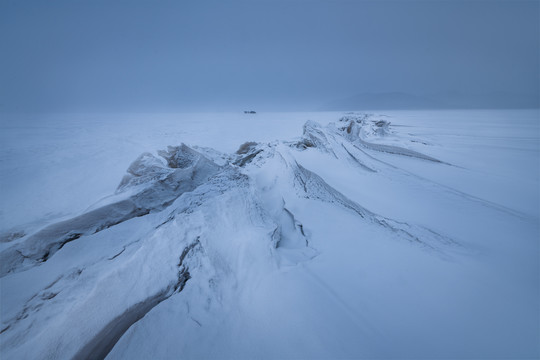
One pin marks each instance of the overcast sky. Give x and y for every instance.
(211, 55)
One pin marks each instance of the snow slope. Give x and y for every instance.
(408, 235)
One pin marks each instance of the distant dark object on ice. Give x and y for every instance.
(249, 112)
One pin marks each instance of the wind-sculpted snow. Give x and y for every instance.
(314, 136)
(192, 236)
(185, 184)
(102, 343)
(314, 187)
(157, 185)
(358, 129)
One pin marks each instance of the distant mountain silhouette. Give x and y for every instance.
(390, 100)
(492, 100)
(405, 101)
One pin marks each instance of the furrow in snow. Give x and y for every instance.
(103, 342)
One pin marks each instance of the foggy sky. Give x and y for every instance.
(215, 55)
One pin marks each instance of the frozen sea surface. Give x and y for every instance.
(411, 234)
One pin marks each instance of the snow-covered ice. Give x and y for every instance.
(411, 234)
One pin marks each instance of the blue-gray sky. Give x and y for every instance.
(210, 55)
